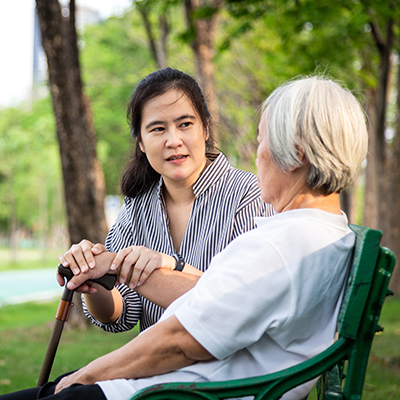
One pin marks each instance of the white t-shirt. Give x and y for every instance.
(268, 301)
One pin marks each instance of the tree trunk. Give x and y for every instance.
(385, 50)
(164, 32)
(204, 30)
(158, 50)
(394, 197)
(370, 217)
(82, 174)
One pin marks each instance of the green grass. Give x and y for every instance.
(382, 380)
(25, 331)
(24, 335)
(28, 259)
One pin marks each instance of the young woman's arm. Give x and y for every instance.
(162, 287)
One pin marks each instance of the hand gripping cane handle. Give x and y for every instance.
(64, 307)
(107, 281)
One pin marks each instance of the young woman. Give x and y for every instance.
(183, 202)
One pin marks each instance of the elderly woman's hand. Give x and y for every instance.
(136, 263)
(82, 282)
(80, 257)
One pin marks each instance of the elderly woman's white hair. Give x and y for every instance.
(319, 119)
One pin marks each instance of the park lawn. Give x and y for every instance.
(24, 335)
(25, 330)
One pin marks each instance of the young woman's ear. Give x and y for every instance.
(206, 131)
(142, 147)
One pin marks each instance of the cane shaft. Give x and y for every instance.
(51, 352)
(62, 314)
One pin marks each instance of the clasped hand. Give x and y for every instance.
(132, 265)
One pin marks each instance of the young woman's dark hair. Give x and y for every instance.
(139, 175)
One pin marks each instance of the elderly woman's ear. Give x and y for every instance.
(302, 156)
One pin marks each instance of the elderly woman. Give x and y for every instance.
(277, 287)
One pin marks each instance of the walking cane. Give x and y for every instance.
(64, 308)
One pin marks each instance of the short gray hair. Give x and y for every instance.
(317, 117)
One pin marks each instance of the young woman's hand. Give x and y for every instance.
(136, 263)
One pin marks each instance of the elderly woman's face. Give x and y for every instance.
(267, 172)
(277, 187)
(273, 182)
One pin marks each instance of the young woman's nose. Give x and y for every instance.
(174, 138)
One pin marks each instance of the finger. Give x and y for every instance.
(86, 288)
(152, 260)
(98, 248)
(126, 268)
(79, 257)
(151, 266)
(86, 248)
(138, 269)
(77, 280)
(120, 257)
(69, 260)
(60, 279)
(61, 385)
(145, 257)
(63, 260)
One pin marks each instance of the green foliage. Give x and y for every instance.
(30, 170)
(259, 44)
(114, 59)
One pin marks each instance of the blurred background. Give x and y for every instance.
(66, 75)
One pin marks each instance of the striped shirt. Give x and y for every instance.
(226, 202)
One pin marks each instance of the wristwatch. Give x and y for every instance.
(180, 262)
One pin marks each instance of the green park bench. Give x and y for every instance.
(365, 293)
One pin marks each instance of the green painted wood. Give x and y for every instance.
(363, 299)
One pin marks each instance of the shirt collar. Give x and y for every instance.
(218, 167)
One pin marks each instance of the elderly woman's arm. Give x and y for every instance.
(162, 287)
(144, 356)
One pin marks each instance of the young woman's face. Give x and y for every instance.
(173, 137)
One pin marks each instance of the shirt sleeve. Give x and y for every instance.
(120, 237)
(250, 296)
(131, 312)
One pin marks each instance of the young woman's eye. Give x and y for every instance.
(158, 129)
(185, 124)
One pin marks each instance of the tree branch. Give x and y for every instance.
(150, 36)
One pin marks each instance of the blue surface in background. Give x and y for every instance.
(28, 285)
